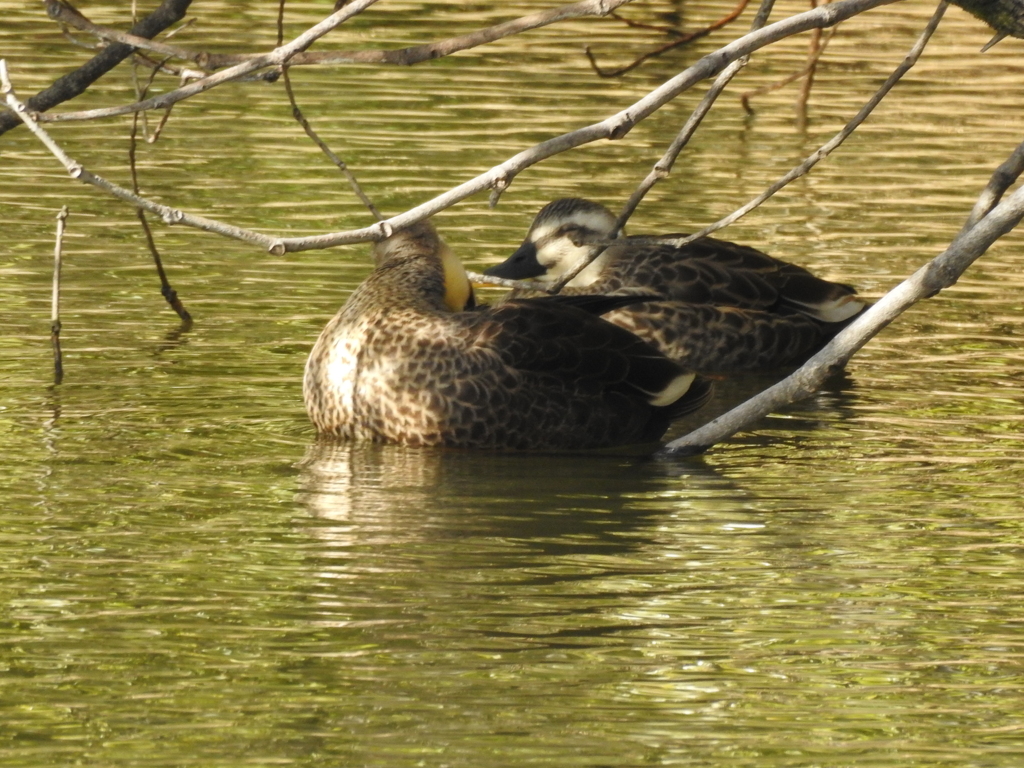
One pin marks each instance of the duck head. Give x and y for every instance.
(421, 241)
(561, 235)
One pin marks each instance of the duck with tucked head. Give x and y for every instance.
(721, 308)
(410, 359)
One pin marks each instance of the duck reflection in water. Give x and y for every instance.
(378, 494)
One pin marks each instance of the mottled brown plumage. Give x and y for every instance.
(724, 307)
(404, 362)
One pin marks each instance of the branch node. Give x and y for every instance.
(383, 230)
(172, 216)
(75, 170)
(277, 248)
(621, 128)
(501, 182)
(498, 186)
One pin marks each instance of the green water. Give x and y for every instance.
(188, 579)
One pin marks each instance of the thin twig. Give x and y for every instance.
(58, 358)
(63, 12)
(808, 70)
(188, 75)
(941, 272)
(155, 136)
(301, 119)
(166, 290)
(828, 147)
(682, 38)
(139, 90)
(342, 165)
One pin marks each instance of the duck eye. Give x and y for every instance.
(575, 235)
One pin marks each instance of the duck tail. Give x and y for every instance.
(821, 299)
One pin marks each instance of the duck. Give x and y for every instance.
(721, 308)
(412, 359)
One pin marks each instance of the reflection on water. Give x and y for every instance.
(403, 494)
(191, 580)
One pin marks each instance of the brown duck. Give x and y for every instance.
(722, 308)
(409, 359)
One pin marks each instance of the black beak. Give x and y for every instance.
(520, 265)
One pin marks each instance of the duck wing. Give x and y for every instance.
(563, 341)
(724, 340)
(710, 271)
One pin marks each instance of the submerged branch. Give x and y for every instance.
(807, 72)
(58, 358)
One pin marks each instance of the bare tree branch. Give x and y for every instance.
(65, 13)
(77, 171)
(828, 147)
(275, 58)
(401, 57)
(497, 178)
(942, 272)
(1002, 178)
(74, 83)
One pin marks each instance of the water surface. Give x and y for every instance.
(190, 579)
